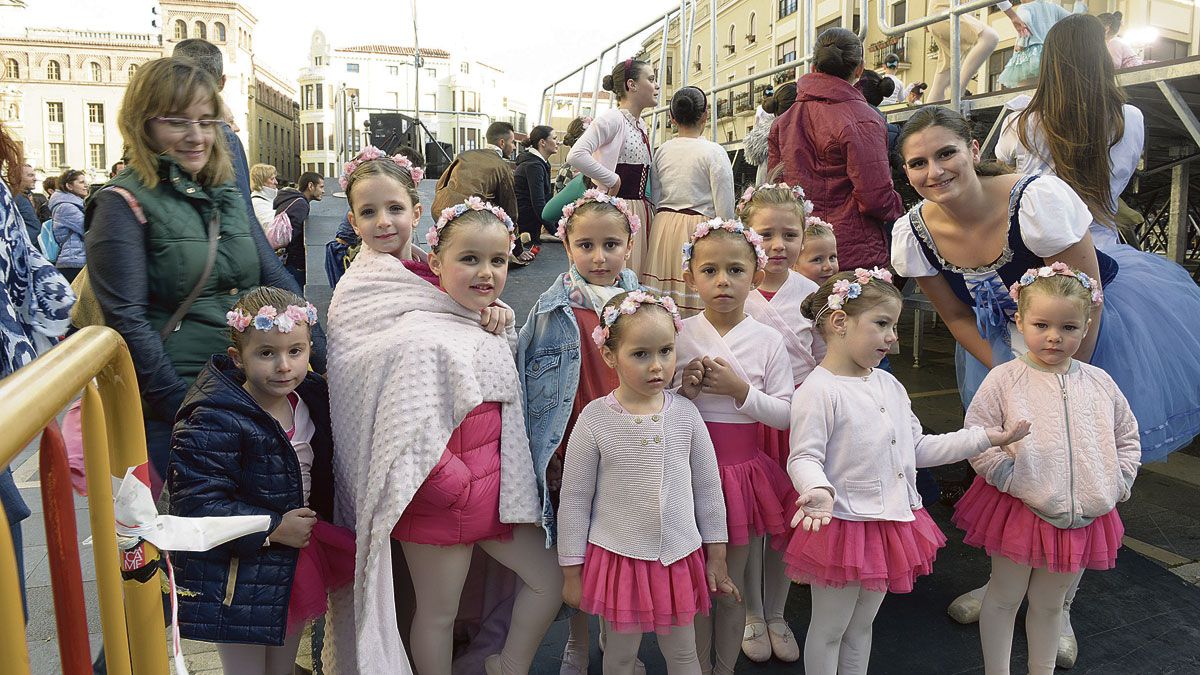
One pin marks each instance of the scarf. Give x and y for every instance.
(591, 296)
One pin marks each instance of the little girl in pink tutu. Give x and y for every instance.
(1044, 508)
(641, 495)
(855, 449)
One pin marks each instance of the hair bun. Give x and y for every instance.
(607, 83)
(807, 309)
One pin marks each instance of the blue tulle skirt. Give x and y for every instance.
(1022, 67)
(1149, 344)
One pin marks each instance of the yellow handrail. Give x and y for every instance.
(95, 360)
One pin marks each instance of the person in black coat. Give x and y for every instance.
(531, 181)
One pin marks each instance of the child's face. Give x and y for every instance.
(473, 265)
(598, 246)
(1053, 327)
(783, 238)
(383, 215)
(870, 335)
(274, 363)
(644, 357)
(818, 259)
(722, 272)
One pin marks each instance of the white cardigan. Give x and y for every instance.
(595, 154)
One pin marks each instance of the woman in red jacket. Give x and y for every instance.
(834, 144)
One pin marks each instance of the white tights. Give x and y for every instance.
(438, 574)
(1011, 583)
(260, 659)
(722, 630)
(971, 62)
(839, 633)
(767, 584)
(678, 649)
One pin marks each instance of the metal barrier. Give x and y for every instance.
(96, 361)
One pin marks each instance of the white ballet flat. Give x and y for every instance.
(965, 609)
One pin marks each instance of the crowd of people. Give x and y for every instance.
(696, 416)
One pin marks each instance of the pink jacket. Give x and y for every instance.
(596, 152)
(1084, 449)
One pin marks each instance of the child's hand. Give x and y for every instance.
(717, 572)
(720, 379)
(573, 585)
(495, 319)
(816, 509)
(295, 528)
(693, 376)
(1011, 433)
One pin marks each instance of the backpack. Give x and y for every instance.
(279, 230)
(47, 242)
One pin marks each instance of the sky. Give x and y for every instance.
(534, 41)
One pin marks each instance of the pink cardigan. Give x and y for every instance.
(1083, 452)
(595, 154)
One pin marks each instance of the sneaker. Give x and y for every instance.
(783, 641)
(547, 235)
(755, 643)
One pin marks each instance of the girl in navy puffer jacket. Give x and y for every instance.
(253, 438)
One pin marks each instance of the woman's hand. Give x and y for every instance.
(693, 376)
(495, 319)
(716, 569)
(816, 509)
(573, 585)
(295, 528)
(720, 379)
(1011, 433)
(615, 187)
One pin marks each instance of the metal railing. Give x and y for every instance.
(95, 360)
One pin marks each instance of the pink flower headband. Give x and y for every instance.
(268, 318)
(595, 195)
(1057, 269)
(734, 226)
(473, 203)
(371, 153)
(630, 305)
(845, 290)
(796, 190)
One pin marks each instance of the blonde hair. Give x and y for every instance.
(480, 218)
(771, 198)
(260, 297)
(382, 167)
(1057, 286)
(622, 322)
(818, 229)
(260, 174)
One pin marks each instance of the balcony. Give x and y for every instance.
(723, 107)
(743, 102)
(878, 51)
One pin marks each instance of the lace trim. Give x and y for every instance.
(1005, 257)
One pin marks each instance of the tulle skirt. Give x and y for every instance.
(662, 267)
(758, 493)
(1023, 66)
(638, 596)
(324, 566)
(1002, 525)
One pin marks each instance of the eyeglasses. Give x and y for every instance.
(181, 125)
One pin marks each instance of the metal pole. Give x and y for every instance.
(712, 32)
(810, 30)
(662, 68)
(685, 46)
(417, 73)
(579, 94)
(549, 119)
(1177, 220)
(691, 32)
(612, 101)
(596, 88)
(955, 58)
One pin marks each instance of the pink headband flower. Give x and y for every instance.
(595, 195)
(796, 190)
(630, 305)
(735, 226)
(845, 290)
(268, 318)
(1057, 269)
(473, 203)
(371, 153)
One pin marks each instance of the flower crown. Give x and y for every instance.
(1057, 269)
(630, 305)
(268, 318)
(735, 226)
(371, 153)
(796, 190)
(473, 203)
(595, 195)
(844, 289)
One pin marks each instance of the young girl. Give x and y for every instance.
(855, 448)
(818, 259)
(561, 369)
(253, 438)
(745, 380)
(777, 214)
(636, 562)
(429, 426)
(1044, 507)
(693, 183)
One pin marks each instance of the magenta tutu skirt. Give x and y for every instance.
(638, 596)
(758, 492)
(885, 556)
(325, 565)
(1001, 524)
(776, 444)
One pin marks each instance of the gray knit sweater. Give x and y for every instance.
(641, 486)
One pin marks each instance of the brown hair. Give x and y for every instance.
(598, 209)
(260, 174)
(938, 116)
(1076, 67)
(619, 324)
(164, 87)
(382, 167)
(256, 299)
(69, 176)
(1057, 286)
(771, 197)
(50, 184)
(574, 131)
(722, 233)
(839, 53)
(470, 216)
(11, 159)
(622, 73)
(872, 294)
(781, 100)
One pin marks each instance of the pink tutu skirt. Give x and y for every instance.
(638, 596)
(776, 444)
(325, 565)
(885, 556)
(758, 492)
(1001, 524)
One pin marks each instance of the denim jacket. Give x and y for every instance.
(548, 353)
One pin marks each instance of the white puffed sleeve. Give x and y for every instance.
(1052, 216)
(907, 257)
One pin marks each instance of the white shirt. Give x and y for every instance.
(694, 173)
(898, 95)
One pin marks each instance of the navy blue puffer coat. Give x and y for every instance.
(229, 457)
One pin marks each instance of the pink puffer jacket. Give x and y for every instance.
(1083, 452)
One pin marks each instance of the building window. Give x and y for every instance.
(787, 8)
(219, 31)
(732, 46)
(785, 52)
(464, 67)
(670, 70)
(900, 12)
(180, 29)
(996, 63)
(752, 35)
(58, 155)
(53, 71)
(96, 155)
(320, 135)
(201, 30)
(95, 113)
(12, 69)
(94, 72)
(699, 54)
(132, 70)
(351, 67)
(311, 140)
(320, 88)
(393, 70)
(431, 72)
(54, 112)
